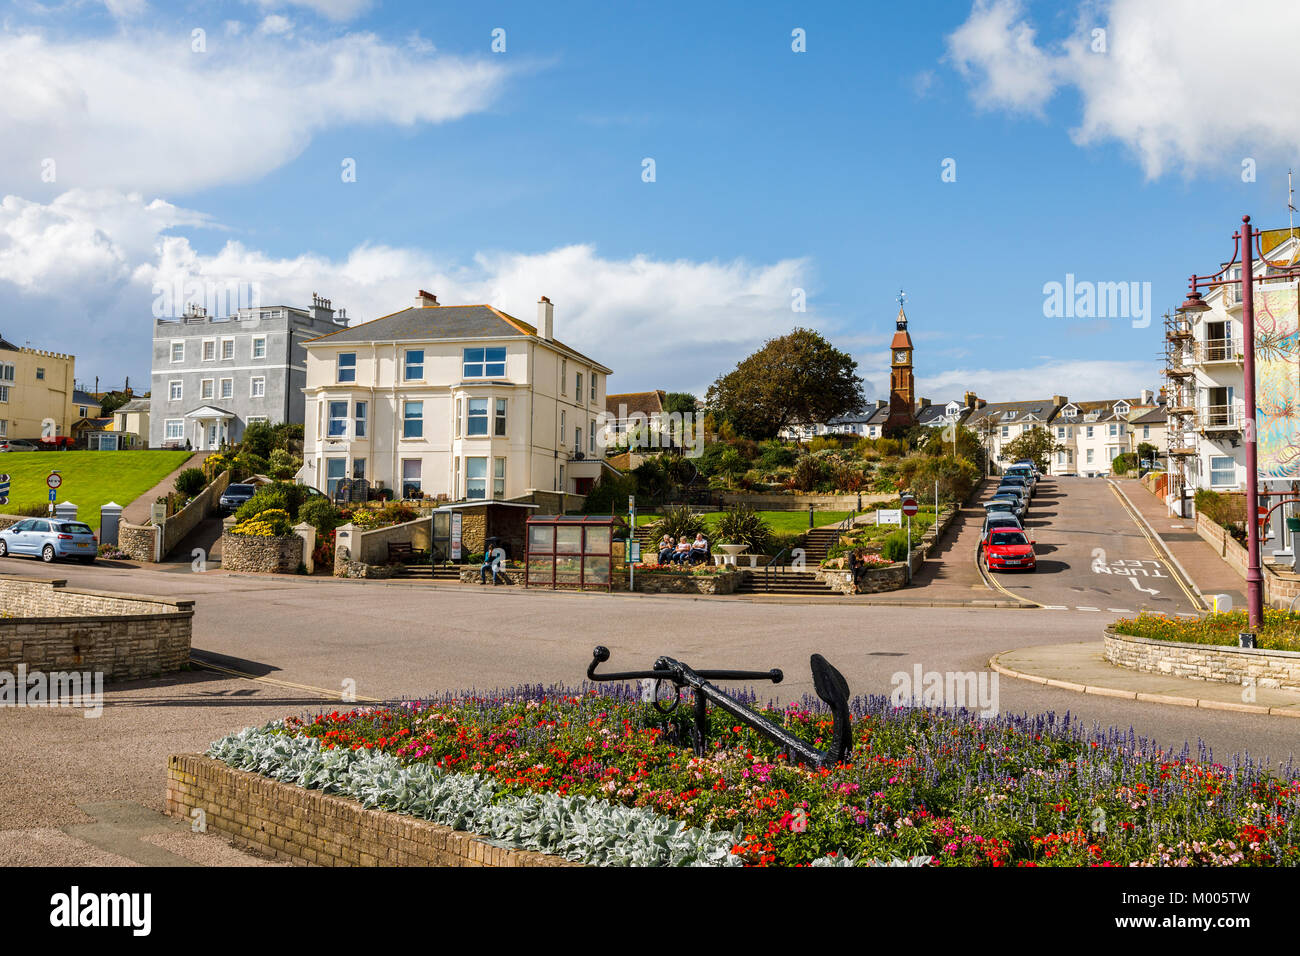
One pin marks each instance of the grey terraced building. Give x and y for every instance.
(213, 376)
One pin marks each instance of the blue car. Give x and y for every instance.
(50, 538)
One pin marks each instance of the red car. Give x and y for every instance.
(1006, 549)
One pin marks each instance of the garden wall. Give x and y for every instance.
(308, 826)
(138, 540)
(724, 582)
(259, 554)
(1212, 662)
(891, 577)
(1278, 591)
(123, 636)
(187, 519)
(371, 547)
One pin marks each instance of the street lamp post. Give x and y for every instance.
(1246, 239)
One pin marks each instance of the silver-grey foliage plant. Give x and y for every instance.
(581, 829)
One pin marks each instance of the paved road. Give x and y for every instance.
(1094, 556)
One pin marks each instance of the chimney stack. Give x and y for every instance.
(881, 402)
(925, 403)
(969, 399)
(546, 319)
(1059, 400)
(425, 300)
(1148, 396)
(321, 308)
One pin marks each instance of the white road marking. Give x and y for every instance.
(1087, 608)
(1120, 610)
(1142, 589)
(1055, 607)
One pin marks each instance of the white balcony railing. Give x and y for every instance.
(1218, 350)
(1220, 417)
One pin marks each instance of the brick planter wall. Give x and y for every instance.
(308, 826)
(242, 552)
(122, 636)
(1227, 665)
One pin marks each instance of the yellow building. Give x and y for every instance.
(36, 392)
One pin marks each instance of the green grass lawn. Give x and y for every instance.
(781, 522)
(90, 478)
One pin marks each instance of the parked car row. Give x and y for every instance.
(1004, 541)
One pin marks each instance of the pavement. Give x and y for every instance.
(1197, 558)
(1082, 668)
(138, 511)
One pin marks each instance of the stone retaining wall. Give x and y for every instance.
(308, 826)
(1212, 662)
(122, 636)
(1278, 591)
(187, 519)
(891, 577)
(261, 555)
(359, 569)
(724, 582)
(138, 540)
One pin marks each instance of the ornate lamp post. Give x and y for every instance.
(1246, 240)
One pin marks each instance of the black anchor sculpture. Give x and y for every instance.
(829, 683)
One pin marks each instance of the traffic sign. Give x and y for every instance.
(54, 480)
(54, 495)
(909, 507)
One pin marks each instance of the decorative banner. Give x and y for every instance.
(456, 525)
(1277, 381)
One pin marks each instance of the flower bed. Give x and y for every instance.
(1280, 630)
(590, 775)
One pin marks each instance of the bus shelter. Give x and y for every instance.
(571, 551)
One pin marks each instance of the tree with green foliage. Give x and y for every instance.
(1036, 444)
(942, 439)
(798, 378)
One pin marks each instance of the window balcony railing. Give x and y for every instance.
(1219, 350)
(1220, 417)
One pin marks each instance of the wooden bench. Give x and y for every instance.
(399, 550)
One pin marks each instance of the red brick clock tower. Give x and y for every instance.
(902, 389)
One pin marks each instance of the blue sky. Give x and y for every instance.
(505, 176)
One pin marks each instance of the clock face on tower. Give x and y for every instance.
(900, 357)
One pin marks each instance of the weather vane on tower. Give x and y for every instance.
(901, 296)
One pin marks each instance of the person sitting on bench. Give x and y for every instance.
(666, 545)
(699, 548)
(494, 559)
(683, 552)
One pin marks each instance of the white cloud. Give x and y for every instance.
(79, 274)
(137, 111)
(1104, 378)
(1185, 84)
(332, 9)
(276, 25)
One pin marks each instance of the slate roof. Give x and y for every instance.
(936, 412)
(83, 398)
(1007, 413)
(1155, 416)
(431, 323)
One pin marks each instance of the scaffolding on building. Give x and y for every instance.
(1180, 408)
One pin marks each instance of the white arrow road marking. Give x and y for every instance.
(1142, 589)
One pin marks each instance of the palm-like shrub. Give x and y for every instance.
(679, 522)
(742, 525)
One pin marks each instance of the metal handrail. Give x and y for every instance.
(767, 571)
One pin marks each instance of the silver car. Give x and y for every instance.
(50, 538)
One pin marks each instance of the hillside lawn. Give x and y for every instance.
(90, 478)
